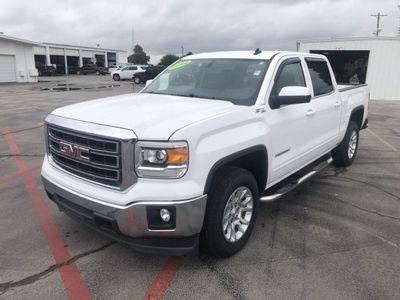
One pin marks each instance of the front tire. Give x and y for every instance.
(231, 212)
(116, 77)
(343, 155)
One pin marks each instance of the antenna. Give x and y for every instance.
(258, 51)
(378, 19)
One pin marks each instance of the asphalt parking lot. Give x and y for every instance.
(336, 237)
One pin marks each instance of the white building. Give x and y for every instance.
(371, 60)
(66, 57)
(17, 63)
(20, 59)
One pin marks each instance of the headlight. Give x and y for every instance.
(162, 159)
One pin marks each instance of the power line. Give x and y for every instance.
(378, 19)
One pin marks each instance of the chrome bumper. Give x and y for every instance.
(130, 221)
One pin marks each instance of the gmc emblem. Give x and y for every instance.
(74, 151)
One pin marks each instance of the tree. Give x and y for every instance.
(138, 57)
(168, 59)
(189, 53)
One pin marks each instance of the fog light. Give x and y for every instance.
(165, 215)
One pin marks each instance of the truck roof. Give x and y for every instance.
(243, 54)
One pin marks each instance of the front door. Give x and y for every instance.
(291, 129)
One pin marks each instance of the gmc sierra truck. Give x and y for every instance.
(185, 163)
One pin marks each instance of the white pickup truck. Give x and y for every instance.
(187, 161)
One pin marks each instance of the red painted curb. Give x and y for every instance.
(161, 283)
(70, 275)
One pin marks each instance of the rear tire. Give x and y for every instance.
(343, 155)
(116, 77)
(230, 213)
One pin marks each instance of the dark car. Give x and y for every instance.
(150, 73)
(93, 69)
(44, 70)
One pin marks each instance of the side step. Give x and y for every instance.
(273, 194)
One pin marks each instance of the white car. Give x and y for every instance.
(127, 72)
(189, 159)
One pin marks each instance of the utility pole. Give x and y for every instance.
(378, 19)
(182, 50)
(398, 29)
(133, 40)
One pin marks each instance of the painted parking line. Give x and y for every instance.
(383, 141)
(13, 176)
(70, 275)
(161, 283)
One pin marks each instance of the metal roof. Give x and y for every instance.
(78, 47)
(350, 39)
(14, 39)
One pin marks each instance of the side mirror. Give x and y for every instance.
(148, 82)
(291, 95)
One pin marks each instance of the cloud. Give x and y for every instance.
(163, 26)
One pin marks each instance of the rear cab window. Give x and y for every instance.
(320, 76)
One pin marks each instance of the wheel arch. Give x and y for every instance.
(253, 159)
(357, 115)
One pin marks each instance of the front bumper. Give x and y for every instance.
(129, 224)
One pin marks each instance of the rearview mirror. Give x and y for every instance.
(291, 95)
(148, 82)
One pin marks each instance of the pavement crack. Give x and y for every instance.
(227, 281)
(5, 286)
(22, 155)
(359, 207)
(371, 185)
(23, 129)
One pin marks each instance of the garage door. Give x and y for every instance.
(7, 68)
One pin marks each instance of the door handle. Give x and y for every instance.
(310, 112)
(337, 104)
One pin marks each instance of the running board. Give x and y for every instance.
(295, 183)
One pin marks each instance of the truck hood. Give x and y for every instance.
(150, 116)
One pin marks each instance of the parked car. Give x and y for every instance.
(189, 159)
(112, 68)
(44, 70)
(93, 69)
(74, 70)
(126, 72)
(149, 73)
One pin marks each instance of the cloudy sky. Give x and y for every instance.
(163, 26)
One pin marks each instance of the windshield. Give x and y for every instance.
(234, 80)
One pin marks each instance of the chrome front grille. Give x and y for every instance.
(94, 158)
(101, 154)
(102, 160)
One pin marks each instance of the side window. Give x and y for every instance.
(290, 74)
(320, 76)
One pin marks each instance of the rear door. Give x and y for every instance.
(127, 72)
(325, 105)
